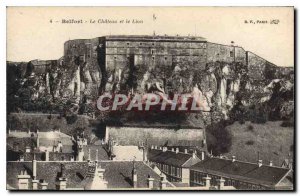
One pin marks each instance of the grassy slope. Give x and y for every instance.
(270, 139)
(25, 121)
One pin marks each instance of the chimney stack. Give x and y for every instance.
(46, 155)
(259, 163)
(165, 149)
(271, 163)
(233, 159)
(62, 183)
(194, 154)
(80, 154)
(152, 147)
(134, 176)
(35, 184)
(21, 158)
(150, 182)
(185, 151)
(34, 167)
(202, 155)
(221, 182)
(207, 181)
(172, 150)
(27, 149)
(177, 150)
(163, 182)
(62, 180)
(96, 155)
(23, 180)
(44, 185)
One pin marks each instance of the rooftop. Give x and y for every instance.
(168, 157)
(117, 173)
(249, 172)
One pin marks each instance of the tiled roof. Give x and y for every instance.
(20, 144)
(172, 158)
(244, 171)
(102, 154)
(117, 173)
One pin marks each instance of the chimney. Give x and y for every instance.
(150, 181)
(37, 139)
(62, 180)
(89, 155)
(134, 176)
(152, 147)
(80, 154)
(194, 154)
(202, 155)
(27, 149)
(23, 180)
(259, 163)
(21, 158)
(34, 167)
(221, 182)
(163, 182)
(207, 181)
(271, 163)
(160, 148)
(46, 155)
(35, 184)
(62, 183)
(185, 151)
(155, 147)
(164, 149)
(96, 155)
(177, 150)
(233, 159)
(172, 150)
(44, 185)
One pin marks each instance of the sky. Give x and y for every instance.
(31, 35)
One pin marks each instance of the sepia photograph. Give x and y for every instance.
(150, 98)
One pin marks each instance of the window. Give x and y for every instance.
(152, 44)
(166, 58)
(173, 170)
(127, 43)
(152, 51)
(141, 44)
(231, 53)
(153, 58)
(115, 58)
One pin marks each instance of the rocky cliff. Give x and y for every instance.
(227, 88)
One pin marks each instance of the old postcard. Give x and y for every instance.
(150, 98)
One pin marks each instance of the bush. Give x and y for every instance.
(250, 142)
(287, 124)
(219, 139)
(250, 128)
